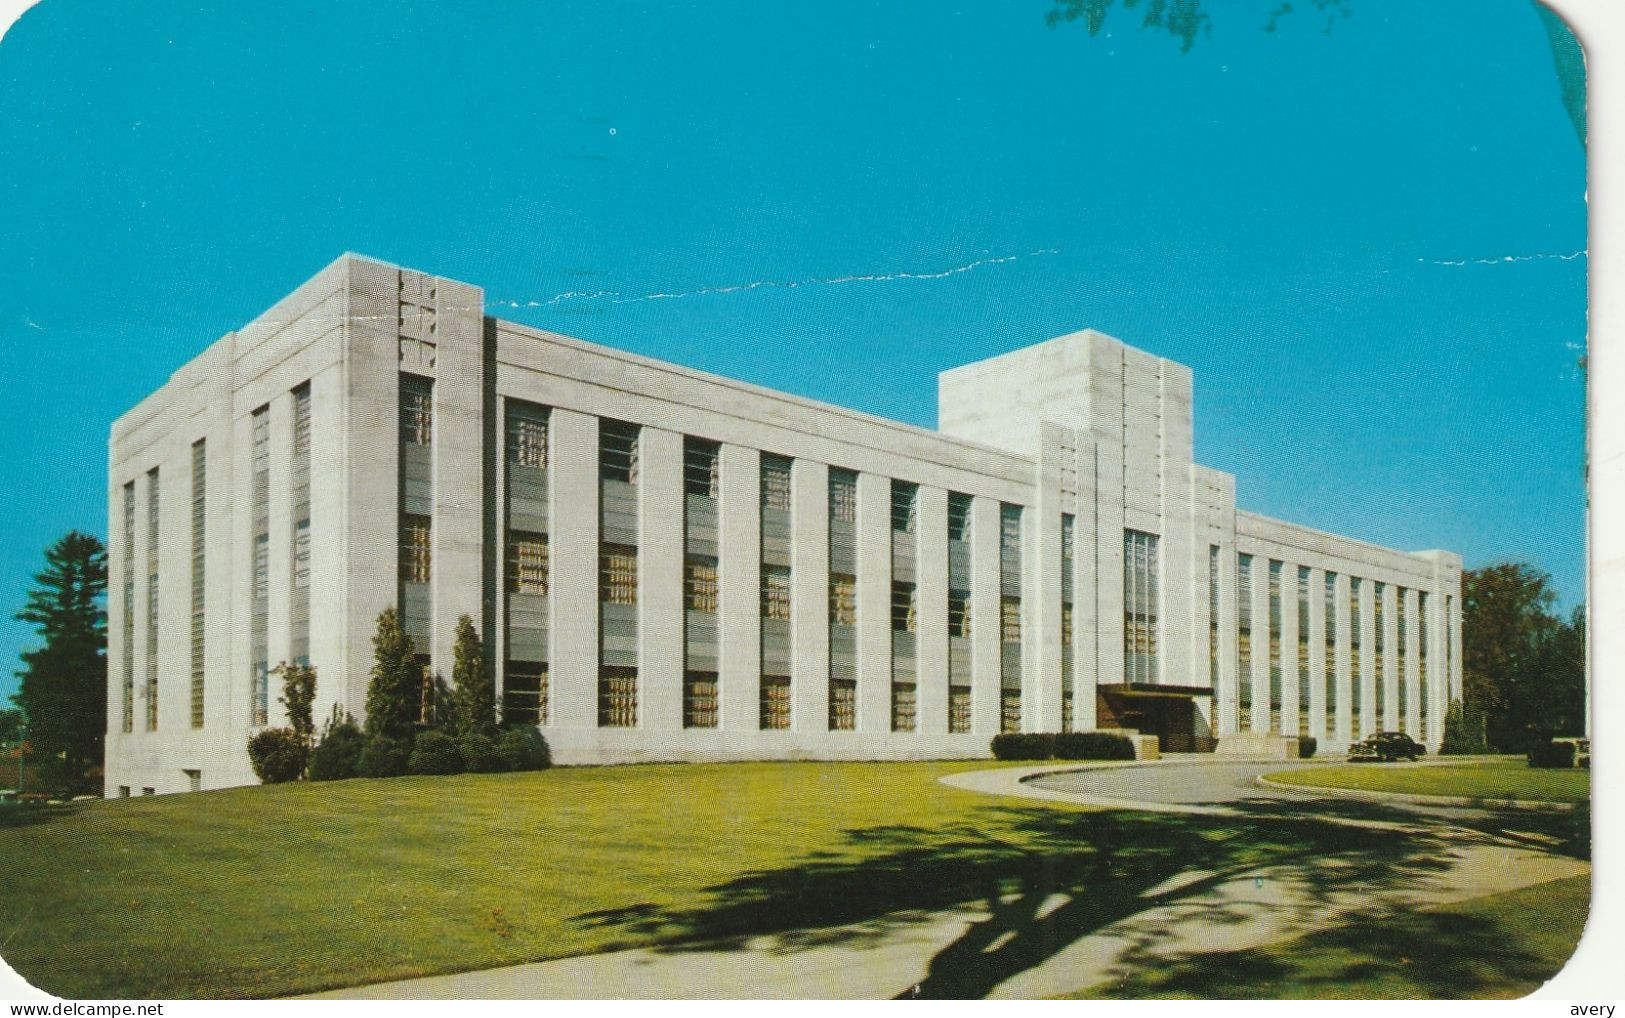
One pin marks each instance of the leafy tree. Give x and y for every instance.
(298, 696)
(64, 682)
(395, 694)
(1523, 666)
(1459, 736)
(12, 725)
(277, 755)
(473, 698)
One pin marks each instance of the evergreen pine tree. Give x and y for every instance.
(64, 681)
(395, 694)
(474, 698)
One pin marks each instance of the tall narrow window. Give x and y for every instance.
(260, 549)
(904, 704)
(843, 705)
(775, 697)
(618, 574)
(843, 600)
(152, 600)
(1304, 681)
(1213, 617)
(1244, 635)
(1068, 564)
(959, 709)
(904, 607)
(904, 499)
(524, 693)
(617, 697)
(199, 549)
(775, 482)
(618, 451)
(1379, 655)
(417, 410)
(1140, 606)
(843, 496)
(700, 700)
(958, 516)
(129, 606)
(527, 437)
(1275, 645)
(1356, 685)
(1401, 701)
(1422, 642)
(959, 613)
(775, 592)
(1010, 709)
(527, 563)
(415, 562)
(700, 583)
(1331, 652)
(299, 595)
(702, 473)
(1010, 619)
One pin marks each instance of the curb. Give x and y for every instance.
(1538, 805)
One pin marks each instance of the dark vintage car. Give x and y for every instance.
(1386, 746)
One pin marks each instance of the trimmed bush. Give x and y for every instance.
(480, 754)
(383, 756)
(338, 755)
(435, 753)
(1023, 746)
(277, 755)
(524, 749)
(1307, 746)
(1552, 754)
(1093, 746)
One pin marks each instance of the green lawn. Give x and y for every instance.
(1504, 945)
(1494, 779)
(265, 891)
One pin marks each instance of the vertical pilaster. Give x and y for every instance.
(573, 595)
(1345, 648)
(874, 603)
(660, 579)
(931, 646)
(809, 595)
(1041, 589)
(739, 590)
(1086, 610)
(1317, 656)
(335, 684)
(459, 449)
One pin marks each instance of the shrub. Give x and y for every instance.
(338, 755)
(395, 694)
(523, 749)
(1023, 746)
(383, 756)
(277, 755)
(1307, 746)
(1093, 746)
(1552, 754)
(434, 753)
(480, 754)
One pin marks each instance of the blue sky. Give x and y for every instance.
(1366, 242)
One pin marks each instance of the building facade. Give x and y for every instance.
(669, 565)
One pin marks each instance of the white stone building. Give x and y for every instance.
(669, 565)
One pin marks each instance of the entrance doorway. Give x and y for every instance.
(1168, 712)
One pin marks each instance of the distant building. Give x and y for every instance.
(669, 565)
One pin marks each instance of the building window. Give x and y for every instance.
(618, 697)
(843, 601)
(775, 592)
(1066, 707)
(527, 436)
(958, 516)
(700, 700)
(417, 410)
(129, 606)
(959, 709)
(1244, 631)
(904, 607)
(1069, 540)
(618, 574)
(1010, 619)
(1009, 709)
(702, 471)
(1140, 606)
(1213, 616)
(902, 706)
(524, 693)
(775, 702)
(415, 554)
(959, 613)
(301, 556)
(1401, 702)
(152, 600)
(1010, 530)
(775, 482)
(904, 506)
(527, 563)
(1356, 692)
(843, 705)
(1066, 625)
(1275, 645)
(199, 546)
(618, 451)
(1422, 657)
(301, 419)
(1379, 661)
(700, 583)
(1304, 681)
(1331, 650)
(843, 496)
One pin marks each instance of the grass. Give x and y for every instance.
(268, 891)
(1519, 940)
(1495, 779)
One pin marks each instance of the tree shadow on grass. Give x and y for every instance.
(1038, 881)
